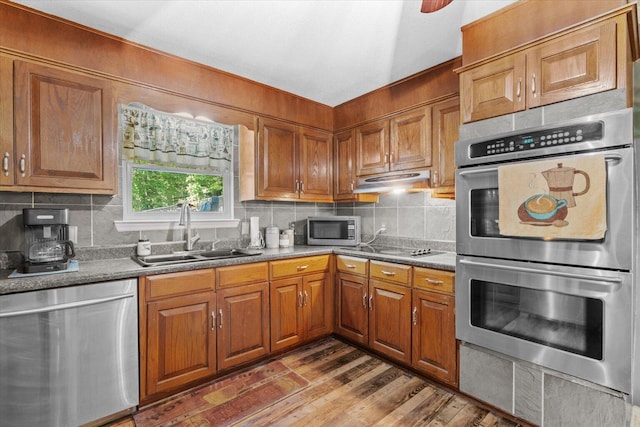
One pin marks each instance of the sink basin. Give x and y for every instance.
(196, 256)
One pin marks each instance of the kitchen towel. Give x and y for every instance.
(565, 198)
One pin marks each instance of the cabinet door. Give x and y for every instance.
(446, 124)
(372, 148)
(352, 312)
(316, 166)
(286, 313)
(277, 160)
(390, 320)
(410, 140)
(6, 122)
(65, 130)
(578, 64)
(243, 324)
(344, 177)
(317, 302)
(493, 89)
(434, 336)
(180, 341)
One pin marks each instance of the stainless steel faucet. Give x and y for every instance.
(185, 219)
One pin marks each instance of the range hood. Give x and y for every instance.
(392, 181)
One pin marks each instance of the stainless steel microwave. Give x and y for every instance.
(333, 230)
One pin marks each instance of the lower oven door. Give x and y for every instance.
(477, 231)
(573, 320)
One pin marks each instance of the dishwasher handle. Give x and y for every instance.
(65, 306)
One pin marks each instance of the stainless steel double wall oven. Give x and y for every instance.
(560, 303)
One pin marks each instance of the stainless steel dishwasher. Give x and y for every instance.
(68, 356)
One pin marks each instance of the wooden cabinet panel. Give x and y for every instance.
(575, 65)
(180, 283)
(493, 89)
(298, 266)
(446, 125)
(243, 324)
(410, 140)
(316, 166)
(435, 280)
(352, 315)
(286, 313)
(434, 342)
(7, 174)
(66, 131)
(317, 302)
(180, 342)
(344, 159)
(352, 265)
(372, 148)
(277, 160)
(390, 320)
(390, 272)
(235, 275)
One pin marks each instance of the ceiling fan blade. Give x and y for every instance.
(429, 6)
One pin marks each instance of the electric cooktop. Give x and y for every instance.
(388, 250)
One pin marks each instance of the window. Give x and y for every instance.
(169, 160)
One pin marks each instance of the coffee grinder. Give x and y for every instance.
(47, 246)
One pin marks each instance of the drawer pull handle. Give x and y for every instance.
(302, 267)
(220, 324)
(350, 266)
(305, 300)
(364, 300)
(5, 164)
(23, 165)
(371, 303)
(299, 299)
(434, 282)
(213, 320)
(414, 315)
(388, 273)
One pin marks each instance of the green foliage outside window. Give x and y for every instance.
(153, 190)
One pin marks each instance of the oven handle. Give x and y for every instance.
(608, 158)
(586, 277)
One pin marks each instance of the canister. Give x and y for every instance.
(272, 237)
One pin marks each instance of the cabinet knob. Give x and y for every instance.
(5, 164)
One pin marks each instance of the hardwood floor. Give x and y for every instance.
(328, 383)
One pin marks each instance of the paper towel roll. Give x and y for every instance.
(255, 230)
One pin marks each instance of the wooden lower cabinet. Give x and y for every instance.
(434, 335)
(390, 320)
(243, 324)
(352, 308)
(177, 332)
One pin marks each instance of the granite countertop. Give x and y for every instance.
(125, 268)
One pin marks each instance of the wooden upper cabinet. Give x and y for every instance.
(64, 133)
(6, 122)
(581, 62)
(344, 178)
(316, 166)
(277, 160)
(372, 148)
(446, 125)
(293, 163)
(410, 140)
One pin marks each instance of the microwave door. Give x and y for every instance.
(478, 231)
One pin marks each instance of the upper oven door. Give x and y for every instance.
(477, 228)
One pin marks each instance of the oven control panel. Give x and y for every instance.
(541, 139)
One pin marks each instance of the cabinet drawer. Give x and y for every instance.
(297, 266)
(396, 273)
(436, 280)
(234, 275)
(184, 282)
(353, 265)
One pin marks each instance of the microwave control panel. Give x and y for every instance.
(537, 140)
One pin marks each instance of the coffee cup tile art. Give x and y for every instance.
(543, 206)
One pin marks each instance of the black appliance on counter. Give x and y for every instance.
(46, 245)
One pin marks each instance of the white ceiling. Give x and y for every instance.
(329, 51)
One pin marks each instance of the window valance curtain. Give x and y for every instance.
(150, 136)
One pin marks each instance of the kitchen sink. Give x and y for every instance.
(191, 256)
